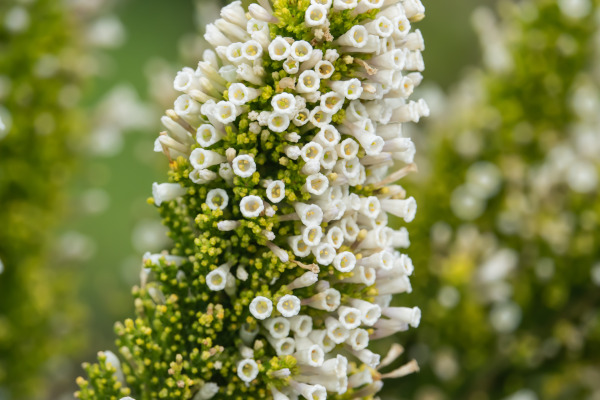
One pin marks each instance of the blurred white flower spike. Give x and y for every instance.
(283, 145)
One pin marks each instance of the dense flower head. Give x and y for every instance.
(510, 240)
(284, 146)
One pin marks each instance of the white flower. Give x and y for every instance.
(166, 192)
(261, 307)
(247, 370)
(283, 103)
(279, 49)
(217, 199)
(251, 206)
(243, 165)
(201, 158)
(316, 15)
(288, 305)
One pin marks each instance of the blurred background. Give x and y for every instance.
(135, 47)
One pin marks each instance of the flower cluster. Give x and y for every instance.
(284, 147)
(511, 234)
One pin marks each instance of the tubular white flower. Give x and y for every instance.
(341, 5)
(311, 235)
(207, 135)
(355, 37)
(311, 355)
(309, 392)
(261, 307)
(344, 261)
(331, 102)
(316, 184)
(301, 50)
(358, 339)
(261, 14)
(278, 122)
(367, 5)
(252, 50)
(310, 214)
(299, 247)
(251, 206)
(361, 378)
(324, 253)
(336, 331)
(217, 279)
(335, 237)
(397, 285)
(411, 316)
(225, 112)
(301, 325)
(370, 313)
(327, 300)
(279, 49)
(291, 66)
(207, 391)
(312, 151)
(324, 69)
(362, 275)
(315, 15)
(282, 347)
(350, 89)
(308, 82)
(283, 103)
(319, 336)
(201, 158)
(329, 158)
(240, 94)
(347, 149)
(349, 317)
(319, 117)
(162, 192)
(247, 370)
(381, 27)
(217, 199)
(276, 191)
(244, 165)
(367, 357)
(288, 305)
(278, 327)
(405, 209)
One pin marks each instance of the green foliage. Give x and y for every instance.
(38, 316)
(502, 198)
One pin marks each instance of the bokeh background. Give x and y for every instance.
(108, 225)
